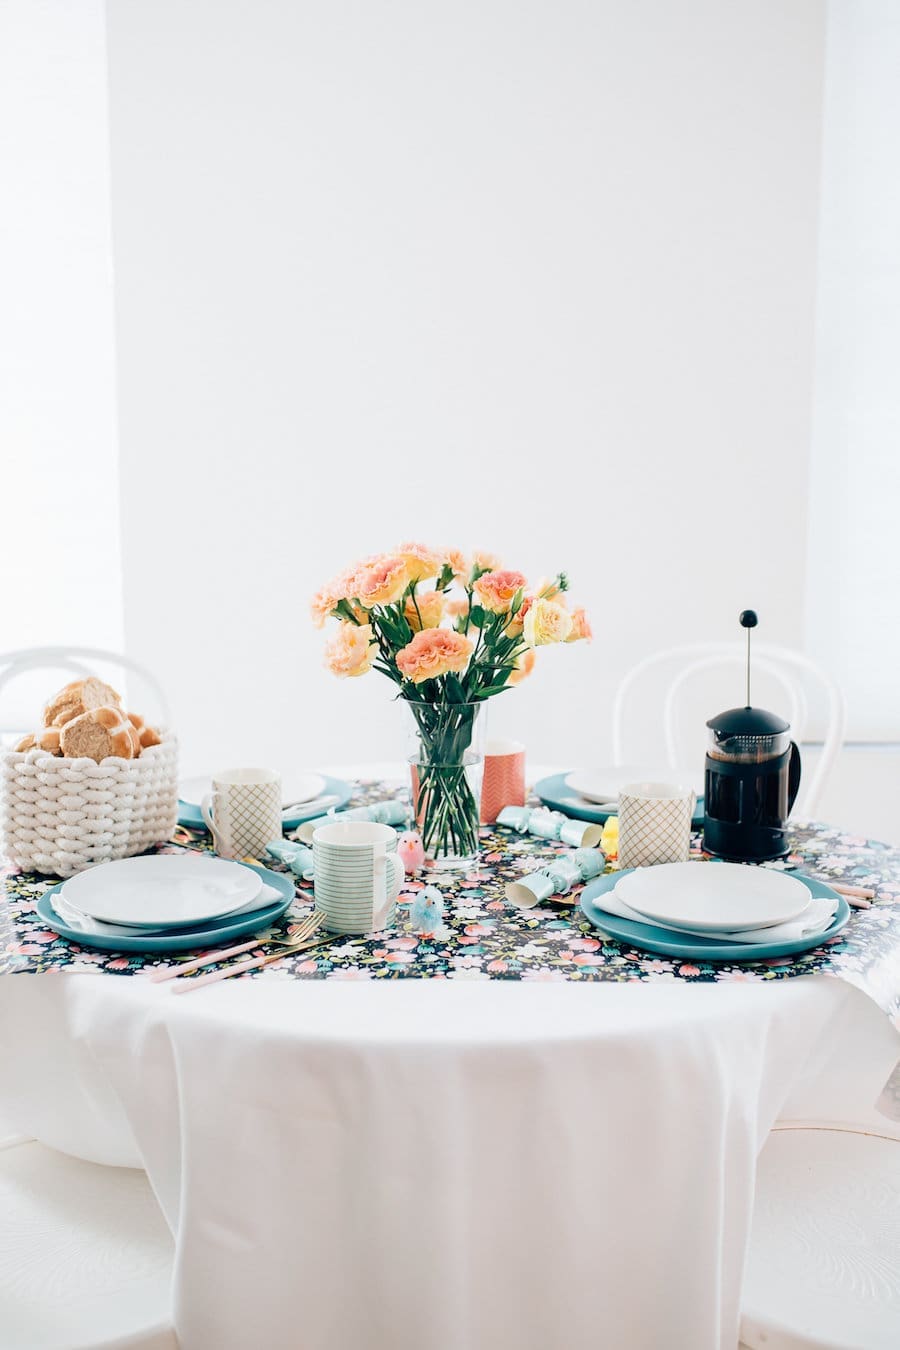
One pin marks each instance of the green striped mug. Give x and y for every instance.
(357, 875)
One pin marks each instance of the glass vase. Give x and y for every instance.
(445, 752)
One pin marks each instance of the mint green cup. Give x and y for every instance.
(357, 875)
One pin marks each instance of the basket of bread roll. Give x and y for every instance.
(94, 783)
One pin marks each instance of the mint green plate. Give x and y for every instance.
(189, 813)
(556, 793)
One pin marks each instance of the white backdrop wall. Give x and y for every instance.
(536, 278)
(59, 490)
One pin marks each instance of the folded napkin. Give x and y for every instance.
(557, 878)
(383, 813)
(297, 857)
(76, 918)
(546, 824)
(811, 922)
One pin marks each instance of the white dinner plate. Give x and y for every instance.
(162, 890)
(295, 788)
(713, 897)
(604, 784)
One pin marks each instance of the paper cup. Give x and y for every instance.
(503, 783)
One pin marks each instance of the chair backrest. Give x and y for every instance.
(793, 675)
(79, 661)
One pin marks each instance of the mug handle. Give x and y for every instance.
(394, 876)
(219, 840)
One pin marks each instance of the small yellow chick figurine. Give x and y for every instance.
(609, 839)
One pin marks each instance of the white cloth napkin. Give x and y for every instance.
(76, 918)
(813, 921)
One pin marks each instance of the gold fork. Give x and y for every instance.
(305, 929)
(254, 964)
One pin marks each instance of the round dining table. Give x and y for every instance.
(436, 1164)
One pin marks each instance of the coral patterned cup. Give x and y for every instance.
(503, 783)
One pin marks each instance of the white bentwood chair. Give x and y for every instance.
(79, 662)
(675, 668)
(85, 1255)
(823, 1270)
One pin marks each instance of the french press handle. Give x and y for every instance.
(793, 775)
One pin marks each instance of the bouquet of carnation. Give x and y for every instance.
(450, 632)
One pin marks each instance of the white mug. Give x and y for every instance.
(654, 823)
(243, 811)
(357, 875)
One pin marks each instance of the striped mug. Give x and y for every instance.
(357, 875)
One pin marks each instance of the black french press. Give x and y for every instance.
(752, 777)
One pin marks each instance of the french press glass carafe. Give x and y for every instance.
(752, 778)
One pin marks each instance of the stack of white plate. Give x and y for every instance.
(751, 905)
(154, 895)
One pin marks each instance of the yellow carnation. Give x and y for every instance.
(424, 611)
(545, 623)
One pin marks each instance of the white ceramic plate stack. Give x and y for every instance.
(720, 900)
(155, 894)
(602, 786)
(297, 789)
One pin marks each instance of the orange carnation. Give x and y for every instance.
(421, 562)
(523, 667)
(434, 652)
(351, 650)
(381, 581)
(496, 590)
(325, 600)
(581, 626)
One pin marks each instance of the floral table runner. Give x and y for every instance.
(489, 939)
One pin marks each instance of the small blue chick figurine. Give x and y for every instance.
(426, 913)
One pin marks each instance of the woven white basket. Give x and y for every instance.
(62, 815)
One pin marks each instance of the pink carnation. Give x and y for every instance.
(325, 600)
(434, 652)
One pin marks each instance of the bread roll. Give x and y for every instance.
(79, 697)
(98, 733)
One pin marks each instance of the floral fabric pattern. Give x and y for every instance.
(489, 939)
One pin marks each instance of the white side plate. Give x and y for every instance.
(602, 785)
(713, 897)
(162, 890)
(295, 788)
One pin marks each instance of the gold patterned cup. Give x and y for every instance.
(243, 811)
(654, 824)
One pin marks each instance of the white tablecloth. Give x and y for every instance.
(438, 1166)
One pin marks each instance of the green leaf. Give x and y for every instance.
(477, 616)
(454, 690)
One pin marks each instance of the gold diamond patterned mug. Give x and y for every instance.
(654, 823)
(243, 811)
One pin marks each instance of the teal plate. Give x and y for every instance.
(555, 793)
(208, 934)
(189, 814)
(653, 939)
